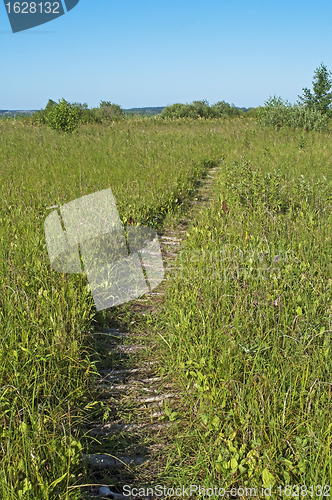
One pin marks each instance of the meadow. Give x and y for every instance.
(246, 324)
(248, 320)
(46, 369)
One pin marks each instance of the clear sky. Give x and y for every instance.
(154, 53)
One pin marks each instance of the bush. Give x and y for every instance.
(252, 112)
(40, 116)
(63, 116)
(85, 115)
(278, 113)
(224, 109)
(67, 117)
(200, 109)
(110, 111)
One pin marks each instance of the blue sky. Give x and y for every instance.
(155, 53)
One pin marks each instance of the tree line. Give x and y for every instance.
(313, 111)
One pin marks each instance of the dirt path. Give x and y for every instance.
(131, 447)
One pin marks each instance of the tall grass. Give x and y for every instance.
(246, 328)
(252, 348)
(45, 363)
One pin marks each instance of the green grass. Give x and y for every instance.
(45, 358)
(248, 319)
(247, 334)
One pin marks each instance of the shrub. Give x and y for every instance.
(200, 109)
(110, 111)
(224, 109)
(40, 116)
(278, 113)
(253, 112)
(86, 115)
(63, 116)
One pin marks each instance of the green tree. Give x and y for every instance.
(40, 116)
(50, 105)
(111, 111)
(86, 115)
(279, 113)
(223, 109)
(200, 109)
(321, 99)
(63, 116)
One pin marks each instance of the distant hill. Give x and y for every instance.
(157, 110)
(149, 111)
(11, 112)
(144, 111)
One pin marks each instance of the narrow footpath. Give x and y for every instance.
(129, 446)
